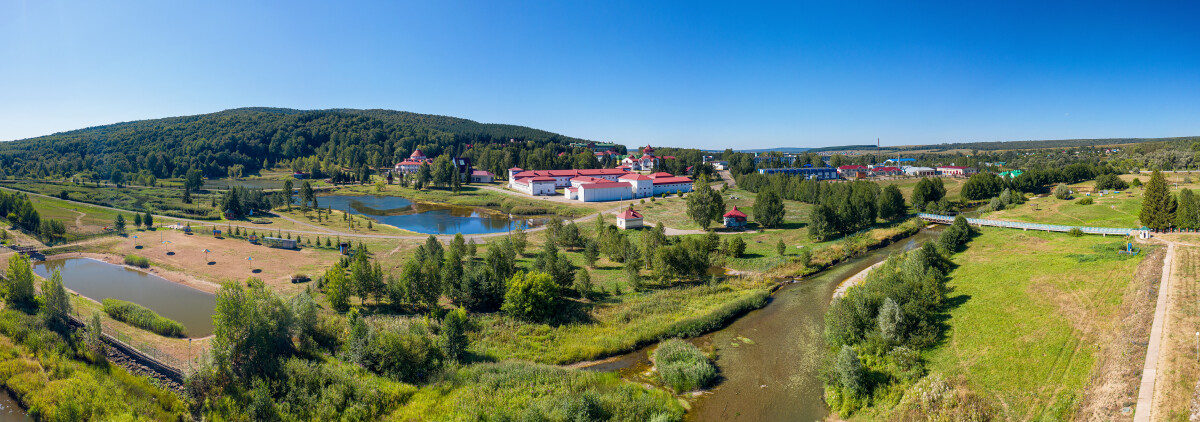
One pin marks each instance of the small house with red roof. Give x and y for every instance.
(482, 176)
(629, 219)
(735, 219)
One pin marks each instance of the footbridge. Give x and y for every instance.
(1104, 231)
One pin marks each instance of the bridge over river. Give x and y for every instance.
(1104, 231)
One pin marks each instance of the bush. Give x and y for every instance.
(1087, 200)
(531, 297)
(1075, 232)
(141, 317)
(137, 261)
(682, 366)
(1062, 191)
(1110, 182)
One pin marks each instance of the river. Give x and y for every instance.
(9, 410)
(770, 359)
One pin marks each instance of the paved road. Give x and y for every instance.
(1145, 402)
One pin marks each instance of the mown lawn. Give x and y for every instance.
(1027, 311)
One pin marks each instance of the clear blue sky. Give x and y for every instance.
(694, 74)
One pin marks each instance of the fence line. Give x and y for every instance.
(1104, 231)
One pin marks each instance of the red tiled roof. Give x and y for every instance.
(606, 185)
(588, 179)
(628, 214)
(953, 167)
(735, 213)
(417, 153)
(852, 168)
(409, 163)
(672, 180)
(572, 189)
(634, 176)
(883, 169)
(542, 179)
(481, 173)
(660, 174)
(668, 157)
(517, 169)
(570, 173)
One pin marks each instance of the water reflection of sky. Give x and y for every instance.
(99, 280)
(424, 217)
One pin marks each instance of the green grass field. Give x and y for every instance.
(1027, 309)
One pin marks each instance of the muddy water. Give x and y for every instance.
(99, 280)
(9, 410)
(770, 359)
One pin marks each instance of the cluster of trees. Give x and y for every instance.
(1006, 199)
(19, 211)
(878, 329)
(845, 208)
(17, 292)
(239, 202)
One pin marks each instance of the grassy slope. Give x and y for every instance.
(1024, 328)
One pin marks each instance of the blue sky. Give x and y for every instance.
(690, 74)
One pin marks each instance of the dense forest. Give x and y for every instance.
(247, 140)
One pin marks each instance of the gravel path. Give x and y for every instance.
(1145, 402)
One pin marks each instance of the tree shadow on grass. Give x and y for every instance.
(942, 319)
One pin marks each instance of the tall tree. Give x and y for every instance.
(18, 289)
(891, 203)
(1187, 214)
(1158, 205)
(704, 205)
(768, 208)
(56, 308)
(287, 192)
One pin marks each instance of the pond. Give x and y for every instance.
(99, 280)
(770, 359)
(422, 217)
(10, 411)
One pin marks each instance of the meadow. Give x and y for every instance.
(1050, 300)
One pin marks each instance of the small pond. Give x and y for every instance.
(10, 411)
(424, 217)
(99, 280)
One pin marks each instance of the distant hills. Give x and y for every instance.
(247, 139)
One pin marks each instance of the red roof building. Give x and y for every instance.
(629, 219)
(735, 219)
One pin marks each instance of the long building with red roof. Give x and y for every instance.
(596, 185)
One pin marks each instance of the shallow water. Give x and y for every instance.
(423, 217)
(770, 359)
(9, 410)
(99, 280)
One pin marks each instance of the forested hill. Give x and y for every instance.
(245, 140)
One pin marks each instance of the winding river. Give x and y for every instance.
(9, 410)
(770, 359)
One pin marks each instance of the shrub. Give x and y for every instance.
(1075, 232)
(1062, 191)
(531, 297)
(1087, 200)
(141, 317)
(137, 261)
(682, 366)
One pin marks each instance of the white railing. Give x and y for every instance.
(946, 219)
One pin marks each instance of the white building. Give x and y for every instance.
(534, 185)
(482, 176)
(642, 185)
(562, 178)
(412, 164)
(629, 219)
(666, 183)
(920, 171)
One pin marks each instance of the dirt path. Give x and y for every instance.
(727, 177)
(1145, 400)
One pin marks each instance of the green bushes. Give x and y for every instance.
(137, 261)
(877, 329)
(40, 368)
(1087, 200)
(138, 316)
(682, 366)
